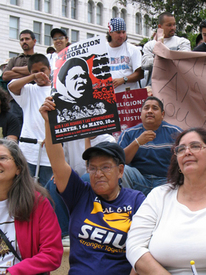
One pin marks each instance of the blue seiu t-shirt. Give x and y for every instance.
(152, 158)
(98, 228)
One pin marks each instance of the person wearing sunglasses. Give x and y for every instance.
(60, 40)
(168, 230)
(100, 211)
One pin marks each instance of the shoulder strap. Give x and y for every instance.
(149, 78)
(8, 243)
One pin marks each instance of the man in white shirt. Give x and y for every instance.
(167, 28)
(124, 58)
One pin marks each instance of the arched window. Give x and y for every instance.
(123, 14)
(138, 23)
(114, 12)
(146, 25)
(99, 14)
(90, 12)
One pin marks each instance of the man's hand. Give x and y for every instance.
(149, 90)
(47, 106)
(132, 148)
(160, 35)
(146, 136)
(118, 81)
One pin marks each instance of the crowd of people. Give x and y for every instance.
(132, 206)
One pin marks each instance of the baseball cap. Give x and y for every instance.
(110, 148)
(117, 24)
(53, 31)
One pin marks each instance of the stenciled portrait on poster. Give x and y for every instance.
(83, 92)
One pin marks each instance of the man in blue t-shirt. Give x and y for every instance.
(147, 148)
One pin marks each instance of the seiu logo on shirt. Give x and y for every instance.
(118, 220)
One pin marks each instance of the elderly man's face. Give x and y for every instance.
(76, 80)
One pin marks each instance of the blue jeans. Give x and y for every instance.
(60, 207)
(132, 178)
(45, 173)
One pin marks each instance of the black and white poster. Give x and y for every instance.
(83, 92)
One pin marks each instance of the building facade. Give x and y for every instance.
(81, 19)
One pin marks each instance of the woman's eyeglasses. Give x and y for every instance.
(105, 169)
(194, 147)
(58, 38)
(4, 159)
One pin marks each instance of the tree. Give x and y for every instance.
(188, 13)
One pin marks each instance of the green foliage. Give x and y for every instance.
(144, 41)
(192, 37)
(188, 13)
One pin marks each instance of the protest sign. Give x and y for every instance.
(179, 80)
(83, 92)
(129, 104)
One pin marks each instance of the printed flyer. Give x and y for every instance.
(83, 92)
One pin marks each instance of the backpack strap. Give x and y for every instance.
(10, 246)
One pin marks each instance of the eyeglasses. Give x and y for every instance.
(4, 159)
(194, 147)
(105, 169)
(58, 38)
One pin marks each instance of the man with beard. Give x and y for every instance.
(166, 34)
(17, 66)
(124, 58)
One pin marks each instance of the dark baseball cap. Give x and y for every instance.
(56, 30)
(109, 148)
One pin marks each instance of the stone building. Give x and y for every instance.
(81, 19)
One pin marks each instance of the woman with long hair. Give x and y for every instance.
(30, 236)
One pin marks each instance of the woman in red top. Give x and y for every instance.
(26, 218)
